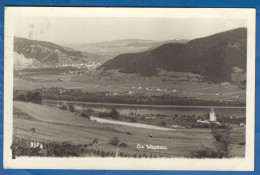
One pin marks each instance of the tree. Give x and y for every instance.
(114, 114)
(71, 108)
(85, 114)
(163, 123)
(133, 119)
(34, 97)
(114, 141)
(122, 145)
(221, 147)
(222, 141)
(64, 107)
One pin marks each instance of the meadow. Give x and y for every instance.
(175, 85)
(54, 125)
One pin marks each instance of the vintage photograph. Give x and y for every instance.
(130, 87)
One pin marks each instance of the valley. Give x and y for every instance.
(131, 95)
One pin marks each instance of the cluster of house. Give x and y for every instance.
(150, 89)
(63, 90)
(213, 119)
(111, 94)
(150, 116)
(91, 66)
(59, 90)
(80, 72)
(176, 126)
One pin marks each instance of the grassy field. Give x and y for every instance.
(123, 83)
(55, 125)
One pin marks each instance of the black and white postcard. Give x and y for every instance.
(129, 88)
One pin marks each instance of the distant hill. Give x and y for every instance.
(217, 57)
(111, 49)
(35, 53)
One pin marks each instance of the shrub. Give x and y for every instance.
(71, 108)
(129, 133)
(34, 97)
(114, 114)
(33, 130)
(64, 107)
(21, 97)
(64, 149)
(95, 141)
(223, 141)
(29, 96)
(242, 143)
(133, 120)
(114, 141)
(90, 110)
(222, 145)
(205, 153)
(84, 114)
(122, 145)
(163, 123)
(103, 115)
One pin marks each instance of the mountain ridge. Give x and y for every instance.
(214, 57)
(30, 53)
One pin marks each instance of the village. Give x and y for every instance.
(182, 121)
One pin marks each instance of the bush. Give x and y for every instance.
(114, 114)
(71, 108)
(223, 141)
(104, 115)
(64, 107)
(90, 110)
(34, 97)
(29, 96)
(129, 133)
(222, 145)
(122, 145)
(114, 141)
(133, 120)
(84, 114)
(205, 153)
(21, 97)
(64, 149)
(163, 123)
(242, 143)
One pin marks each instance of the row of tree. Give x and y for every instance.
(78, 95)
(28, 96)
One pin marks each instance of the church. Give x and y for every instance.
(212, 116)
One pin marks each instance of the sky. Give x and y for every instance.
(84, 30)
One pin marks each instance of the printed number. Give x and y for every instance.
(35, 145)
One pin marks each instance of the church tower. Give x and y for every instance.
(212, 116)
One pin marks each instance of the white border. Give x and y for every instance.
(237, 164)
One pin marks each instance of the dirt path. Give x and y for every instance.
(137, 125)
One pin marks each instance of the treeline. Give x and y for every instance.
(28, 96)
(78, 95)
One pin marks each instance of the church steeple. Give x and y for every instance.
(212, 116)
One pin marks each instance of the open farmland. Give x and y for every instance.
(116, 82)
(55, 125)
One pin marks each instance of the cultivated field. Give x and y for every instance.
(93, 83)
(55, 125)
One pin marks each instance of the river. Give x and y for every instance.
(152, 109)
